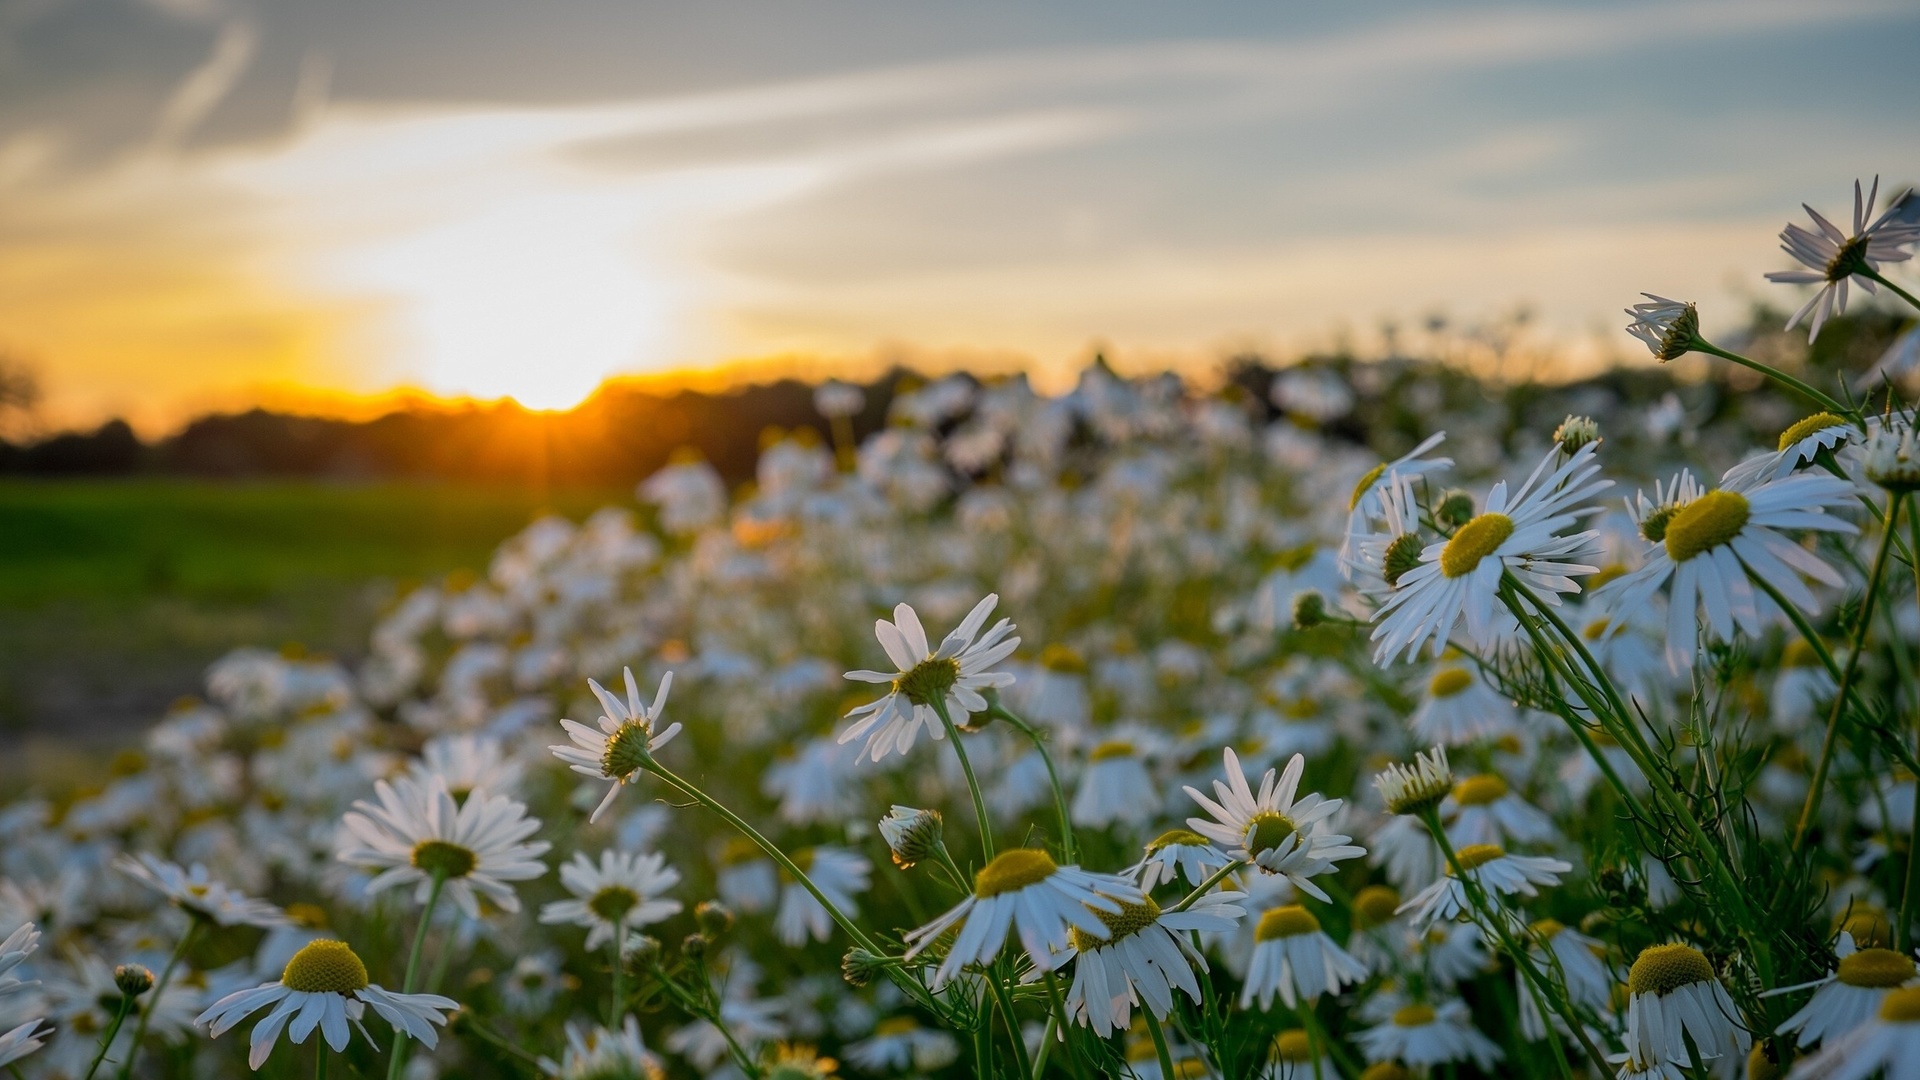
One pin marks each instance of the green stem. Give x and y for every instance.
(1323, 1042)
(1046, 1045)
(619, 1004)
(973, 784)
(1059, 1006)
(1068, 845)
(1206, 886)
(153, 997)
(487, 1034)
(319, 1059)
(1865, 620)
(1824, 400)
(1903, 933)
(1874, 275)
(119, 1017)
(1159, 1043)
(1004, 1004)
(399, 1057)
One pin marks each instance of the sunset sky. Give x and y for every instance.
(209, 202)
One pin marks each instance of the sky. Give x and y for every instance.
(208, 203)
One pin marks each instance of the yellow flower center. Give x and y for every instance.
(1413, 1015)
(1366, 481)
(626, 750)
(613, 902)
(1449, 681)
(1901, 1006)
(1868, 927)
(1706, 523)
(1480, 790)
(1386, 1070)
(1284, 922)
(1128, 921)
(1267, 830)
(1062, 658)
(1293, 1045)
(896, 1025)
(450, 861)
(1012, 871)
(1185, 837)
(1548, 928)
(1819, 421)
(1375, 905)
(1474, 541)
(1662, 969)
(929, 680)
(1114, 748)
(325, 967)
(1474, 856)
(1875, 968)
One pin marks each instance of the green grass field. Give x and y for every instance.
(115, 595)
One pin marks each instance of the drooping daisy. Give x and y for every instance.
(625, 742)
(1888, 1045)
(325, 986)
(1177, 853)
(1367, 505)
(1024, 889)
(1145, 957)
(839, 873)
(596, 1053)
(195, 892)
(1294, 958)
(1457, 581)
(1674, 997)
(1574, 959)
(1495, 870)
(1391, 545)
(954, 674)
(1484, 810)
(1836, 258)
(1710, 544)
(900, 1044)
(417, 835)
(1272, 829)
(911, 834)
(1423, 1036)
(1892, 456)
(622, 892)
(1459, 707)
(1668, 328)
(1850, 995)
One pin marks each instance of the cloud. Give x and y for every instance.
(207, 85)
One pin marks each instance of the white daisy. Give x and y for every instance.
(417, 834)
(1850, 995)
(597, 1053)
(1669, 328)
(1674, 998)
(1391, 546)
(325, 986)
(1888, 1045)
(1111, 784)
(1458, 580)
(625, 742)
(1836, 257)
(1273, 830)
(1709, 543)
(1177, 853)
(1891, 458)
(195, 892)
(1369, 502)
(468, 763)
(1574, 960)
(954, 674)
(835, 871)
(1458, 707)
(1495, 870)
(23, 1040)
(911, 834)
(622, 892)
(1144, 957)
(900, 1044)
(13, 952)
(1423, 1036)
(1024, 889)
(1799, 444)
(1294, 958)
(1484, 810)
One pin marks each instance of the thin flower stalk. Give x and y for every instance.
(1068, 844)
(973, 783)
(410, 979)
(159, 985)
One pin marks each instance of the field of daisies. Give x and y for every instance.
(1377, 725)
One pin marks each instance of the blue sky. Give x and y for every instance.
(202, 200)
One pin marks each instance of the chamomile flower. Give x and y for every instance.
(1143, 959)
(1835, 258)
(1177, 853)
(325, 986)
(1495, 870)
(1423, 1036)
(1674, 997)
(1799, 444)
(1668, 328)
(953, 675)
(1294, 958)
(598, 1053)
(1293, 1057)
(912, 834)
(1524, 535)
(1024, 889)
(416, 835)
(1369, 501)
(837, 872)
(1576, 958)
(1712, 545)
(1112, 782)
(195, 892)
(20, 1041)
(1484, 810)
(1272, 829)
(468, 763)
(623, 891)
(899, 1044)
(1887, 1045)
(1458, 708)
(1892, 457)
(14, 951)
(1376, 558)
(625, 742)
(1850, 995)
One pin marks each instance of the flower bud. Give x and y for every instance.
(1309, 610)
(714, 917)
(859, 967)
(694, 947)
(1455, 509)
(643, 951)
(1575, 432)
(133, 979)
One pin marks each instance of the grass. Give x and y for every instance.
(116, 594)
